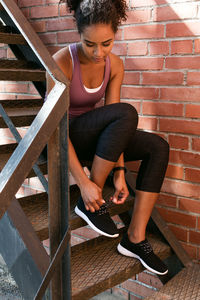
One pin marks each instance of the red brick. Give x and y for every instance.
(144, 63)
(29, 3)
(63, 10)
(183, 29)
(138, 16)
(120, 49)
(3, 53)
(191, 250)
(44, 11)
(137, 288)
(194, 237)
(48, 38)
(193, 78)
(162, 109)
(119, 35)
(75, 240)
(197, 46)
(150, 279)
(196, 144)
(180, 94)
(181, 188)
(198, 223)
(148, 123)
(192, 111)
(136, 104)
(10, 54)
(85, 233)
(180, 126)
(120, 292)
(4, 96)
(39, 26)
(158, 47)
(15, 88)
(178, 142)
(68, 37)
(139, 93)
(162, 78)
(137, 48)
(181, 47)
(52, 1)
(185, 158)
(189, 205)
(183, 62)
(175, 12)
(178, 218)
(144, 32)
(131, 78)
(180, 233)
(60, 24)
(167, 200)
(192, 175)
(175, 172)
(141, 3)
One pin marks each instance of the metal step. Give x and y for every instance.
(12, 39)
(20, 118)
(185, 285)
(36, 209)
(24, 103)
(22, 75)
(97, 266)
(17, 64)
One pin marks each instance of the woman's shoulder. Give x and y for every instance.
(64, 61)
(116, 63)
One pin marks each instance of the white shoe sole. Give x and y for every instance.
(84, 217)
(126, 252)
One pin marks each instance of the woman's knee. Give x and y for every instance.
(160, 147)
(128, 113)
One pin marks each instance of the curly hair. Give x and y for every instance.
(88, 12)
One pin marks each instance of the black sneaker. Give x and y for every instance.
(100, 220)
(144, 252)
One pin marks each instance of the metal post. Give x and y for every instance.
(59, 208)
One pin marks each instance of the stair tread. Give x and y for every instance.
(18, 64)
(24, 103)
(13, 74)
(36, 209)
(97, 266)
(185, 285)
(12, 38)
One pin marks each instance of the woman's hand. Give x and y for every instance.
(121, 190)
(92, 196)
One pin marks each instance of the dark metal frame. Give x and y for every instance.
(44, 127)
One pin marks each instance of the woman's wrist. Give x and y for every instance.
(119, 168)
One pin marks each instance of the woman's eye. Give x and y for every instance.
(89, 45)
(106, 45)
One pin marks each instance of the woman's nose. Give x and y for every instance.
(98, 51)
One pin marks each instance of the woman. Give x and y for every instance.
(108, 135)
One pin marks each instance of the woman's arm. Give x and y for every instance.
(91, 193)
(113, 96)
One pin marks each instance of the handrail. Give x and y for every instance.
(9, 183)
(33, 40)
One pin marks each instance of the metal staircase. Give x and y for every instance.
(77, 272)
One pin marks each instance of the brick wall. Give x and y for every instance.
(160, 47)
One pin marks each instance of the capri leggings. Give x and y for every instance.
(111, 130)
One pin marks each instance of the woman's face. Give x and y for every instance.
(97, 42)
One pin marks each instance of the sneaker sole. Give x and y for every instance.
(126, 252)
(84, 217)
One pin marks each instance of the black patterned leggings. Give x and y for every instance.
(112, 129)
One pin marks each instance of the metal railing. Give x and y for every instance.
(50, 125)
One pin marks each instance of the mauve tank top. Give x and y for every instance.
(82, 101)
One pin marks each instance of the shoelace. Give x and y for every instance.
(103, 209)
(146, 247)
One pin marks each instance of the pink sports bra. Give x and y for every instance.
(81, 100)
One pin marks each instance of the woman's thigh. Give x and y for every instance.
(104, 131)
